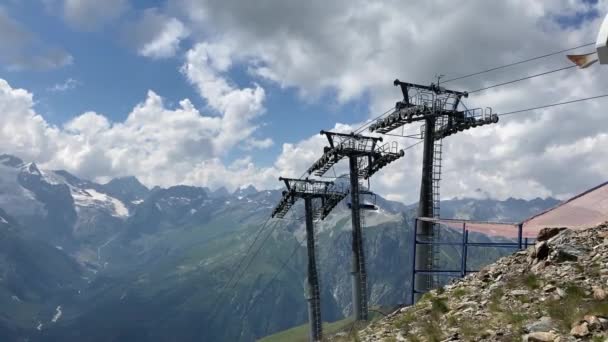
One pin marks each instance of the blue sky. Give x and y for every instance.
(265, 78)
(111, 78)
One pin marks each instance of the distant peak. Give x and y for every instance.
(127, 180)
(249, 190)
(10, 160)
(33, 169)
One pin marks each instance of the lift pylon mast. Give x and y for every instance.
(365, 158)
(328, 195)
(439, 109)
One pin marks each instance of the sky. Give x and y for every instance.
(227, 93)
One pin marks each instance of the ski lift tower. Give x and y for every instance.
(439, 109)
(326, 196)
(365, 158)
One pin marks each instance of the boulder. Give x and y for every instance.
(541, 250)
(547, 233)
(566, 252)
(580, 330)
(593, 323)
(599, 293)
(540, 337)
(544, 324)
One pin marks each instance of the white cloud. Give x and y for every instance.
(167, 42)
(352, 49)
(68, 84)
(239, 106)
(356, 48)
(160, 145)
(155, 34)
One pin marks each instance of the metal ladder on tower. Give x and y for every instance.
(362, 267)
(435, 255)
(314, 291)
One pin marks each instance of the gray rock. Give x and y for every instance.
(541, 250)
(540, 337)
(566, 252)
(547, 233)
(520, 292)
(544, 324)
(580, 330)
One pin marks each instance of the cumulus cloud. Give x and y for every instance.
(158, 144)
(155, 34)
(22, 49)
(239, 106)
(356, 48)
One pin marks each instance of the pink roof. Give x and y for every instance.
(585, 210)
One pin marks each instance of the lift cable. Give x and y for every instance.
(274, 277)
(553, 105)
(522, 79)
(223, 291)
(520, 62)
(369, 122)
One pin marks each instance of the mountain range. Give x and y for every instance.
(118, 261)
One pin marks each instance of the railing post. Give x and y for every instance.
(414, 244)
(463, 271)
(520, 231)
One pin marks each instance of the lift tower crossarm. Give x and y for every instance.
(344, 145)
(329, 195)
(433, 102)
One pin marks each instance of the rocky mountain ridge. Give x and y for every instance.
(556, 290)
(158, 253)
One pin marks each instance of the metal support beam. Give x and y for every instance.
(424, 253)
(313, 292)
(359, 276)
(328, 195)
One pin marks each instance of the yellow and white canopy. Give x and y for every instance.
(601, 49)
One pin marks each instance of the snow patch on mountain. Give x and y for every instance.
(57, 315)
(14, 198)
(93, 198)
(52, 177)
(3, 220)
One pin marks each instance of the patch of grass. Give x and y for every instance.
(570, 308)
(460, 292)
(439, 306)
(495, 298)
(300, 333)
(527, 280)
(531, 281)
(452, 321)
(405, 321)
(432, 331)
(412, 338)
(599, 308)
(469, 331)
(594, 270)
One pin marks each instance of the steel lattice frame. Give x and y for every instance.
(439, 109)
(365, 159)
(329, 195)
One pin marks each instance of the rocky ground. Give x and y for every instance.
(553, 291)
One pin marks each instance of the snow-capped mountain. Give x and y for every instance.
(164, 254)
